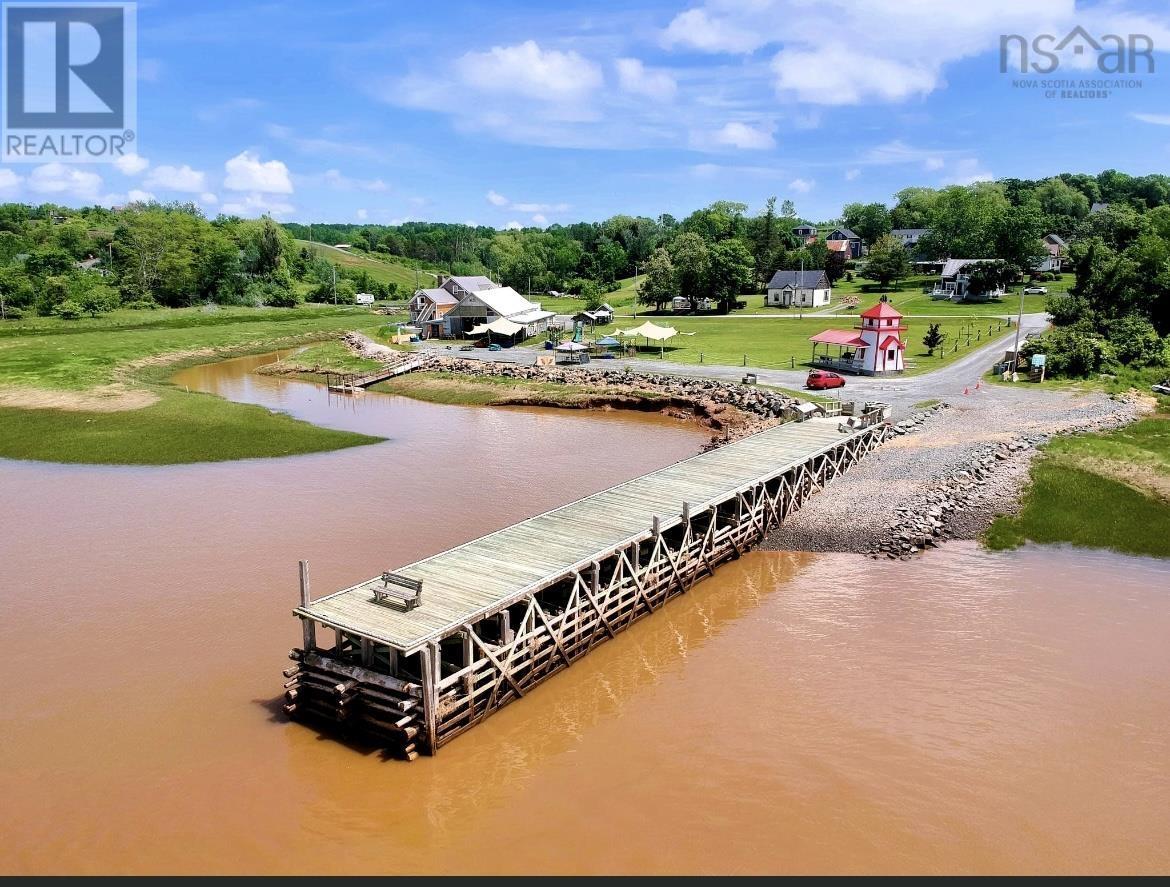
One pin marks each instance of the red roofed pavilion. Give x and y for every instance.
(874, 351)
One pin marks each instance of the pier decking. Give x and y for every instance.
(499, 614)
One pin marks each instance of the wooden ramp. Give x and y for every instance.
(356, 381)
(499, 614)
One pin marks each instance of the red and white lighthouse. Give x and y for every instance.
(881, 346)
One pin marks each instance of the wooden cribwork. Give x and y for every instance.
(503, 613)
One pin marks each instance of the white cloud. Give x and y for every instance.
(131, 164)
(324, 146)
(215, 113)
(137, 196)
(827, 52)
(636, 79)
(541, 207)
(257, 204)
(497, 199)
(362, 215)
(968, 171)
(65, 180)
(1156, 119)
(741, 135)
(513, 226)
(334, 179)
(897, 151)
(247, 172)
(208, 198)
(539, 219)
(851, 174)
(526, 69)
(9, 181)
(177, 178)
(801, 186)
(697, 29)
(837, 74)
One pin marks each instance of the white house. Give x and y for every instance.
(955, 281)
(800, 289)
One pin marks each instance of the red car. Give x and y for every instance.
(819, 380)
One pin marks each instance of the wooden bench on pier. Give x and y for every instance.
(398, 589)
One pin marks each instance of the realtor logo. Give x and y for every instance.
(70, 81)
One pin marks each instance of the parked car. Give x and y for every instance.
(1035, 291)
(495, 347)
(821, 379)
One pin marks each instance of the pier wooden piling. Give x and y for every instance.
(503, 613)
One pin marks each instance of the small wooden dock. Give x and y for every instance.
(420, 655)
(348, 382)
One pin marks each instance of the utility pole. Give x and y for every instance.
(1016, 349)
(635, 289)
(335, 284)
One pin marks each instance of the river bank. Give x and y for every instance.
(966, 464)
(729, 410)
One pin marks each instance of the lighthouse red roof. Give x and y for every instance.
(892, 342)
(882, 309)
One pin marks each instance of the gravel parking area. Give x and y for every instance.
(948, 476)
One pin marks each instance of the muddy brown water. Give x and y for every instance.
(965, 712)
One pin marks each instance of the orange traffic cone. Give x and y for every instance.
(978, 384)
(966, 392)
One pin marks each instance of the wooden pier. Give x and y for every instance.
(420, 655)
(357, 381)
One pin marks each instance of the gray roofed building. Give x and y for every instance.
(802, 279)
(1055, 239)
(460, 286)
(1098, 207)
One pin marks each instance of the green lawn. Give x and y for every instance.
(177, 427)
(909, 298)
(381, 270)
(1098, 491)
(783, 343)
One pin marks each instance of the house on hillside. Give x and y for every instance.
(954, 282)
(844, 234)
(872, 349)
(1098, 207)
(909, 237)
(799, 289)
(1057, 249)
(804, 232)
(461, 286)
(504, 309)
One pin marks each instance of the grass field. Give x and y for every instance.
(55, 374)
(454, 388)
(783, 343)
(1098, 491)
(379, 269)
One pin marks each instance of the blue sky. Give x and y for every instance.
(533, 113)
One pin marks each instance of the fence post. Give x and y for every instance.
(745, 360)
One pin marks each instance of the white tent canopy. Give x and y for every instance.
(500, 326)
(571, 346)
(651, 331)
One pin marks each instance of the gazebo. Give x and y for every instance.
(875, 347)
(651, 332)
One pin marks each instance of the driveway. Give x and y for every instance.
(902, 392)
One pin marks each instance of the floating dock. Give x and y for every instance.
(420, 655)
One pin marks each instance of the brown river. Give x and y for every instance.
(964, 712)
